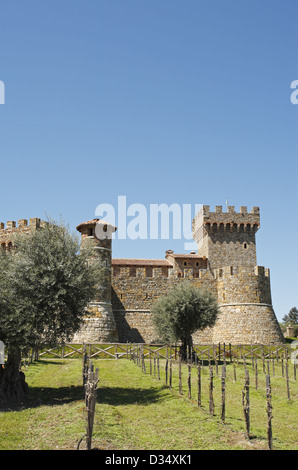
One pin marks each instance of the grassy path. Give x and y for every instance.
(134, 411)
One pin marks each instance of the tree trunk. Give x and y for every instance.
(13, 387)
(185, 349)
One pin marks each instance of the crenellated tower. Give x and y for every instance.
(227, 238)
(228, 241)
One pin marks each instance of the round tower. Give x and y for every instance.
(246, 312)
(99, 324)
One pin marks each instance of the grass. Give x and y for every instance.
(137, 411)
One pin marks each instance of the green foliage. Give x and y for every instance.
(184, 310)
(292, 317)
(45, 285)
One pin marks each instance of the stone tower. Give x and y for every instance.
(99, 323)
(227, 240)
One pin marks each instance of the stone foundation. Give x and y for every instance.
(247, 324)
(98, 328)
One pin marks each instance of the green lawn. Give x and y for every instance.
(137, 411)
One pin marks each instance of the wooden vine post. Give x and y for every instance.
(180, 375)
(189, 380)
(245, 403)
(287, 381)
(199, 384)
(90, 400)
(211, 401)
(85, 367)
(223, 394)
(269, 411)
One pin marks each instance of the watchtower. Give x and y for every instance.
(227, 238)
(99, 323)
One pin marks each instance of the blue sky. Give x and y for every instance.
(163, 101)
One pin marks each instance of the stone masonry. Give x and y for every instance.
(225, 264)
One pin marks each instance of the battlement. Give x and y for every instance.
(229, 221)
(22, 223)
(12, 228)
(230, 210)
(228, 271)
(160, 271)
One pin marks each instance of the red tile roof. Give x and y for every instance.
(93, 222)
(186, 255)
(140, 262)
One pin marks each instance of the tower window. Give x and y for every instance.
(245, 245)
(90, 232)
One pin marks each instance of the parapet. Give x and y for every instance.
(22, 223)
(230, 210)
(228, 221)
(140, 268)
(155, 272)
(229, 271)
(12, 228)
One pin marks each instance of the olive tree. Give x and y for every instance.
(46, 283)
(184, 310)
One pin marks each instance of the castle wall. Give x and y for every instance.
(132, 298)
(98, 325)
(247, 324)
(246, 312)
(241, 284)
(13, 228)
(244, 296)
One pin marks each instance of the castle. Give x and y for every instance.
(225, 263)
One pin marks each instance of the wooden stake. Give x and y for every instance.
(180, 375)
(287, 380)
(199, 384)
(269, 411)
(211, 402)
(189, 380)
(223, 393)
(245, 402)
(256, 374)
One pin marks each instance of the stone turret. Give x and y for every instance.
(99, 323)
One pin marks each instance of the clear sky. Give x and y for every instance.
(161, 101)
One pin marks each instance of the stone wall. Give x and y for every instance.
(12, 228)
(132, 298)
(227, 238)
(247, 324)
(244, 295)
(98, 326)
